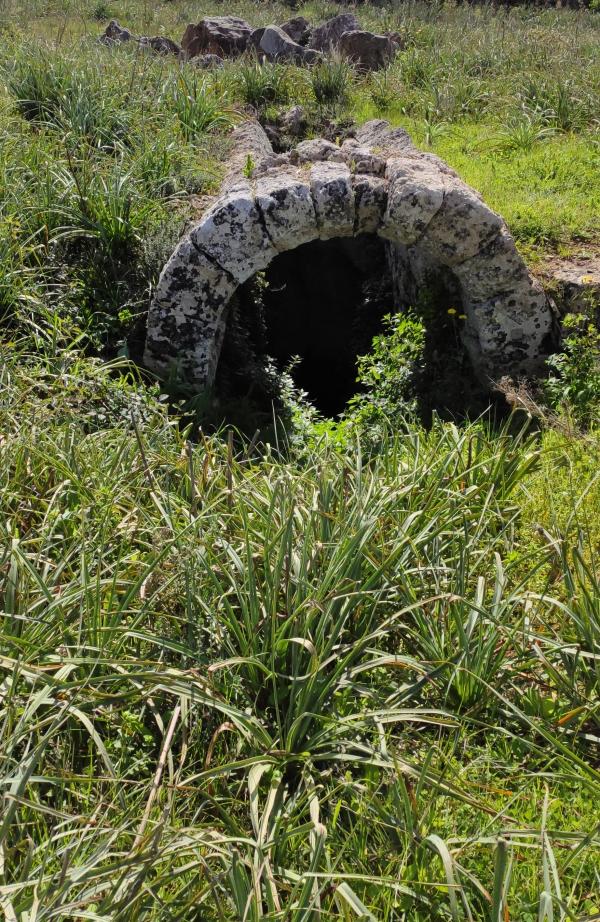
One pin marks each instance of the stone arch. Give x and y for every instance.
(377, 183)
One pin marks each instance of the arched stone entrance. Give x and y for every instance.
(377, 183)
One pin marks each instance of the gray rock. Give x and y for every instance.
(274, 44)
(225, 36)
(315, 150)
(333, 198)
(286, 204)
(298, 29)
(233, 236)
(327, 37)
(294, 121)
(114, 34)
(367, 50)
(160, 45)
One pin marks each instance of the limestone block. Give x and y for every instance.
(232, 233)
(333, 197)
(370, 194)
(187, 311)
(462, 226)
(415, 195)
(286, 204)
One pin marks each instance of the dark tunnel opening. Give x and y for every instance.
(324, 302)
(317, 308)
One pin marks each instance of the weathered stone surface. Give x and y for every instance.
(161, 45)
(415, 195)
(316, 150)
(378, 135)
(294, 121)
(367, 50)
(574, 282)
(462, 226)
(433, 222)
(286, 204)
(115, 34)
(188, 306)
(502, 329)
(495, 269)
(333, 197)
(225, 36)
(327, 36)
(370, 195)
(361, 159)
(272, 43)
(250, 146)
(233, 235)
(298, 29)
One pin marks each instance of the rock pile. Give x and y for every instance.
(215, 38)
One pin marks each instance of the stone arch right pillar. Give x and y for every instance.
(375, 183)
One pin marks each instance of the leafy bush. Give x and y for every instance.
(387, 376)
(574, 382)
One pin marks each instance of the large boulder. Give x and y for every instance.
(272, 43)
(368, 50)
(225, 36)
(298, 29)
(327, 36)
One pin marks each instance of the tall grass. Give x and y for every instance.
(236, 686)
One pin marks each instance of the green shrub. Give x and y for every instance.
(387, 376)
(56, 92)
(574, 382)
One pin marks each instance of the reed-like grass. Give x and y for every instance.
(240, 687)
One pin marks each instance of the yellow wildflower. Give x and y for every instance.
(452, 311)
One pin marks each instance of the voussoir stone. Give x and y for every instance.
(286, 204)
(462, 226)
(181, 334)
(233, 235)
(415, 195)
(370, 197)
(333, 197)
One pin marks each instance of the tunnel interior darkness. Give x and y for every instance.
(324, 302)
(315, 309)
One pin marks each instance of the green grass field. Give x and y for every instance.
(305, 676)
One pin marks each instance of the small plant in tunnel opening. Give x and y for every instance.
(388, 374)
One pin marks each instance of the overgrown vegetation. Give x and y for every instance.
(344, 670)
